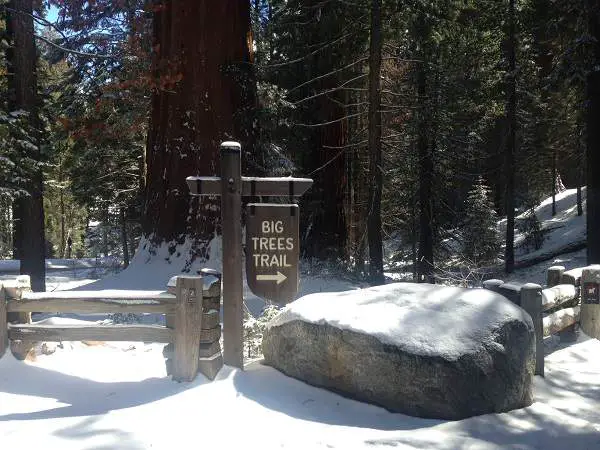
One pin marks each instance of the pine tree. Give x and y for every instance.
(481, 242)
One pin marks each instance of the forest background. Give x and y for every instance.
(421, 121)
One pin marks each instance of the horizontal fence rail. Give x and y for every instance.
(95, 302)
(191, 308)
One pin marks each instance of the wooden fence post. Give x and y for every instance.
(492, 284)
(211, 358)
(188, 328)
(590, 301)
(20, 349)
(3, 322)
(231, 206)
(554, 275)
(531, 301)
(170, 323)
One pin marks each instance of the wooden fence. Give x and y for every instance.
(554, 309)
(191, 307)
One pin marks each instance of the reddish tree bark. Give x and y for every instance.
(204, 94)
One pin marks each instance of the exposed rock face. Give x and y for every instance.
(418, 349)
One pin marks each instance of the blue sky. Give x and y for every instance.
(52, 14)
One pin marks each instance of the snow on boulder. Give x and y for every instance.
(419, 349)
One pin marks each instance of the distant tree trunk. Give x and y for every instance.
(424, 145)
(580, 172)
(375, 170)
(105, 228)
(328, 158)
(543, 57)
(554, 177)
(124, 244)
(204, 95)
(29, 235)
(413, 241)
(593, 141)
(63, 237)
(509, 156)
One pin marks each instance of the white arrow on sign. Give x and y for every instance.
(280, 278)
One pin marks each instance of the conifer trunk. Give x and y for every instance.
(509, 153)
(124, 243)
(425, 149)
(375, 170)
(204, 95)
(28, 211)
(593, 141)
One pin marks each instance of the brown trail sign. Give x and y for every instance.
(280, 284)
(272, 250)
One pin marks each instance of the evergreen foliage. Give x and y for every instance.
(445, 76)
(481, 242)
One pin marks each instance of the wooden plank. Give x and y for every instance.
(3, 322)
(210, 319)
(210, 289)
(572, 276)
(211, 304)
(58, 333)
(204, 185)
(13, 290)
(558, 295)
(91, 302)
(555, 322)
(116, 295)
(188, 327)
(252, 186)
(231, 205)
(210, 366)
(206, 350)
(554, 275)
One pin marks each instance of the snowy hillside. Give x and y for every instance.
(564, 232)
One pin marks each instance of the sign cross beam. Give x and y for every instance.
(252, 186)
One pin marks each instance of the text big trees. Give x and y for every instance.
(267, 249)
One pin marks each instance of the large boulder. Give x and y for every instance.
(418, 349)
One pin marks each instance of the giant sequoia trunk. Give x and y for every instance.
(28, 211)
(593, 142)
(204, 95)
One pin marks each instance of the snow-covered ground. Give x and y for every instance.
(561, 232)
(117, 395)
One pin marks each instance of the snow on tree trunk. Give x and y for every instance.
(203, 95)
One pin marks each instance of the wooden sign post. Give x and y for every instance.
(231, 186)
